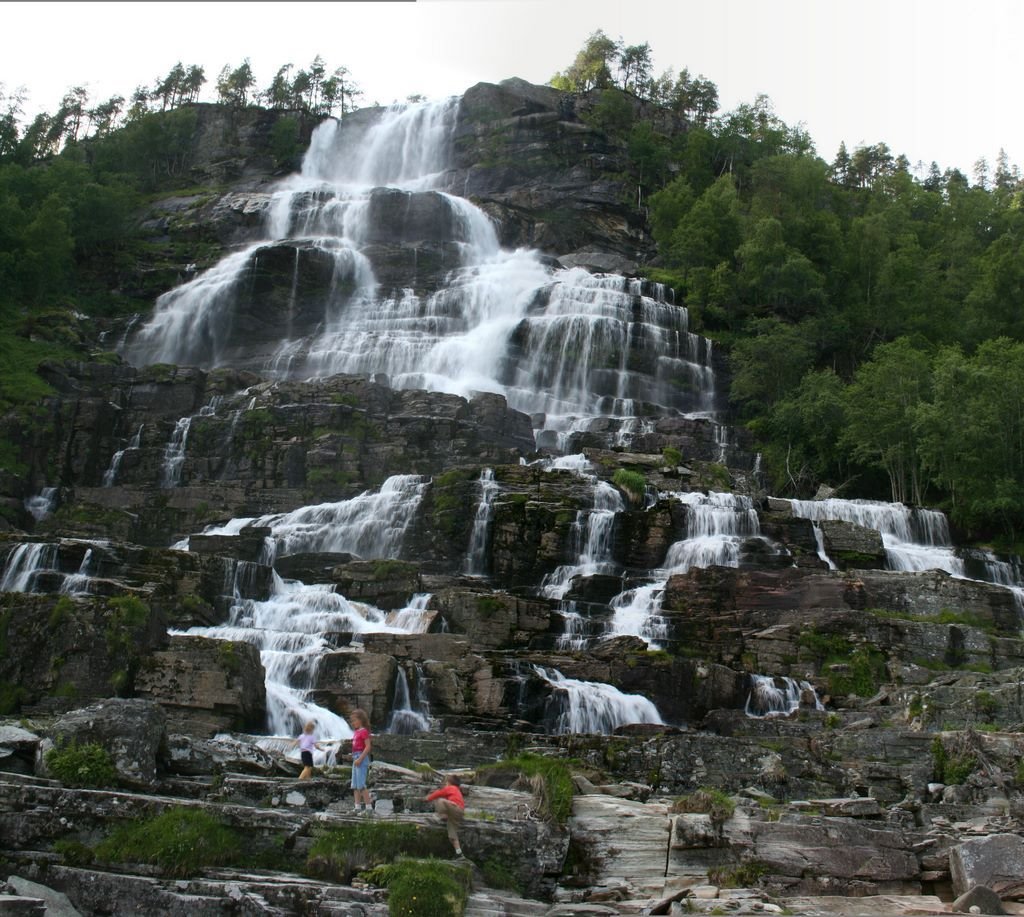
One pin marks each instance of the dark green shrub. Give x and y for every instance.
(632, 482)
(74, 853)
(423, 888)
(181, 842)
(550, 778)
(498, 875)
(672, 456)
(746, 875)
(82, 765)
(952, 765)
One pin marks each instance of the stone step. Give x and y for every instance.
(491, 903)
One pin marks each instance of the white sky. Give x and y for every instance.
(934, 79)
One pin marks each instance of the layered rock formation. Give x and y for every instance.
(513, 522)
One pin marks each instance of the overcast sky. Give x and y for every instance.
(934, 79)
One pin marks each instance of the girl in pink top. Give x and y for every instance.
(362, 747)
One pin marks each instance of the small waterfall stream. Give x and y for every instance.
(717, 523)
(24, 564)
(110, 475)
(476, 556)
(768, 698)
(406, 717)
(591, 707)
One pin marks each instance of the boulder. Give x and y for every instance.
(17, 749)
(57, 903)
(190, 756)
(979, 900)
(996, 861)
(132, 732)
(205, 685)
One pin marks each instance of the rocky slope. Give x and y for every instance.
(563, 552)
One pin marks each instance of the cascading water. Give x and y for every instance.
(405, 717)
(24, 564)
(768, 698)
(110, 475)
(592, 707)
(717, 524)
(77, 583)
(41, 505)
(564, 346)
(291, 628)
(476, 556)
(914, 540)
(593, 530)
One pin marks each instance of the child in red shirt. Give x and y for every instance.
(450, 806)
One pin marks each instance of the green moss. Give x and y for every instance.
(632, 482)
(74, 853)
(553, 782)
(985, 704)
(180, 842)
(60, 612)
(746, 875)
(497, 874)
(867, 673)
(337, 854)
(12, 696)
(387, 570)
(708, 801)
(672, 456)
(952, 766)
(945, 616)
(127, 615)
(88, 765)
(227, 656)
(488, 605)
(424, 888)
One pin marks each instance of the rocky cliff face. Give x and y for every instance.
(374, 458)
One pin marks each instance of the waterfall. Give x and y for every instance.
(414, 618)
(370, 525)
(292, 628)
(563, 345)
(592, 530)
(716, 525)
(405, 718)
(25, 562)
(914, 539)
(574, 631)
(768, 698)
(592, 707)
(110, 475)
(819, 541)
(77, 583)
(174, 453)
(476, 557)
(41, 505)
